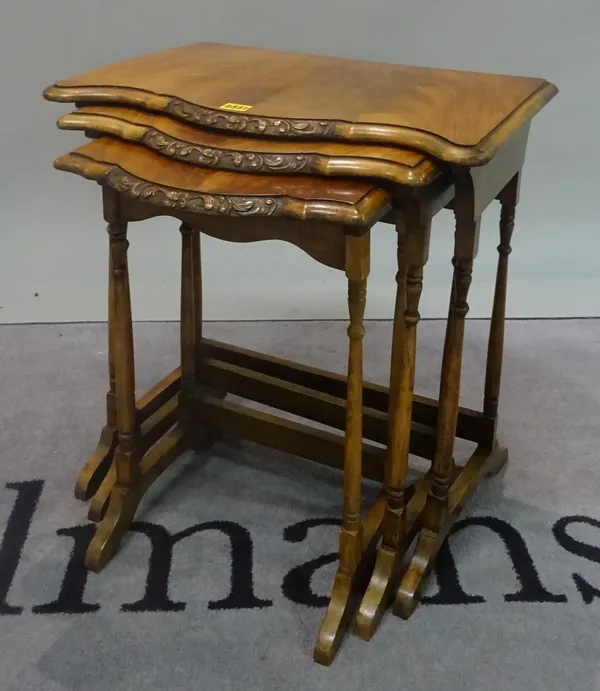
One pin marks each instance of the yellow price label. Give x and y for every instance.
(236, 107)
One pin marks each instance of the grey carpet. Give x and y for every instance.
(492, 624)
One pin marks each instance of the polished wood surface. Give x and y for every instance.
(123, 503)
(493, 373)
(437, 512)
(461, 117)
(188, 326)
(247, 145)
(372, 550)
(223, 151)
(413, 252)
(92, 474)
(136, 172)
(195, 412)
(351, 545)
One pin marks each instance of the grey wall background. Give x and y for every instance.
(52, 242)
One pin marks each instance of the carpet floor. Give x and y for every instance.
(223, 582)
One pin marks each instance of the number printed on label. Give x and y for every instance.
(236, 107)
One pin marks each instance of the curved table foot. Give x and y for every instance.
(497, 460)
(348, 589)
(119, 515)
(378, 594)
(345, 598)
(124, 500)
(158, 410)
(409, 590)
(389, 565)
(481, 464)
(100, 500)
(94, 471)
(99, 504)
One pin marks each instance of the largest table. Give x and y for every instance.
(426, 139)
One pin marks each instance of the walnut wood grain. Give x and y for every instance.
(93, 472)
(471, 424)
(457, 116)
(355, 543)
(122, 343)
(137, 173)
(482, 463)
(466, 242)
(252, 155)
(294, 107)
(493, 373)
(413, 250)
(318, 445)
(187, 330)
(123, 498)
(305, 402)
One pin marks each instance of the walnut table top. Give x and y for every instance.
(459, 117)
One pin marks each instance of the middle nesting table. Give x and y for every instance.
(150, 165)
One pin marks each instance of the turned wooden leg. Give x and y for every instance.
(436, 519)
(413, 246)
(198, 437)
(190, 283)
(98, 464)
(347, 579)
(493, 374)
(197, 287)
(124, 499)
(350, 538)
(449, 395)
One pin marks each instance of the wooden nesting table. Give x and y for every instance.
(245, 145)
